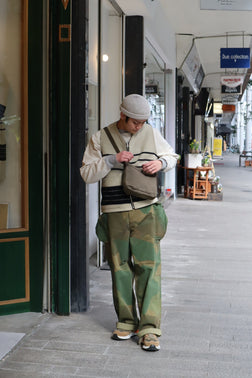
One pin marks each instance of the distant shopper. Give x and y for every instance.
(133, 232)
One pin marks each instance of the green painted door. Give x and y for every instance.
(21, 156)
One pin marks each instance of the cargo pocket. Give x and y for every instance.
(101, 228)
(161, 220)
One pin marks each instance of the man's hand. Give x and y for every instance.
(152, 167)
(124, 156)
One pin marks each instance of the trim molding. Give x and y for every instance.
(27, 273)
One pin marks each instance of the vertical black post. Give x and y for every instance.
(60, 38)
(193, 119)
(186, 101)
(179, 103)
(134, 55)
(35, 137)
(79, 111)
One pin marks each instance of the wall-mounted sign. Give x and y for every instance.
(235, 57)
(235, 5)
(193, 69)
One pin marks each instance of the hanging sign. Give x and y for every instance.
(193, 69)
(235, 57)
(229, 108)
(231, 84)
(232, 81)
(231, 90)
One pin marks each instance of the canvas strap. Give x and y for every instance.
(111, 139)
(117, 150)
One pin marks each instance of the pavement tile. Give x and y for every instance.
(23, 367)
(76, 347)
(104, 373)
(56, 357)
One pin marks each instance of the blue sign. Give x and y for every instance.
(235, 57)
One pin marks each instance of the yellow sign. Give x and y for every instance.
(65, 3)
(217, 147)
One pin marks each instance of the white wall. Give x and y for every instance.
(111, 71)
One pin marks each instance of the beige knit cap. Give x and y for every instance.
(136, 107)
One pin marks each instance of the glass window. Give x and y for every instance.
(13, 125)
(155, 87)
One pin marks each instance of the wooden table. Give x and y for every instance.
(197, 187)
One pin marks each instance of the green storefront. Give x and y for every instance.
(40, 190)
(54, 86)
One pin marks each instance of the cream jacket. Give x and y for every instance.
(95, 168)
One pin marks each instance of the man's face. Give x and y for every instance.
(131, 125)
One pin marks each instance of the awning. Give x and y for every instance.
(223, 129)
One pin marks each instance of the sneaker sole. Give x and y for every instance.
(151, 348)
(116, 337)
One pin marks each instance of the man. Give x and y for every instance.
(133, 233)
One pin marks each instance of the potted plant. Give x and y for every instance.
(194, 146)
(193, 159)
(206, 161)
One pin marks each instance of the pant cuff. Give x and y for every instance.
(126, 326)
(144, 331)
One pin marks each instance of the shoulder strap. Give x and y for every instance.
(111, 139)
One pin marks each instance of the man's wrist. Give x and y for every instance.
(110, 160)
(163, 162)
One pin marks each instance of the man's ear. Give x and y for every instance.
(122, 116)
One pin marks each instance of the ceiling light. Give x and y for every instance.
(105, 57)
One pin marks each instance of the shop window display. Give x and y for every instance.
(12, 98)
(157, 117)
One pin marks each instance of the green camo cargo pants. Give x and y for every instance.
(134, 258)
